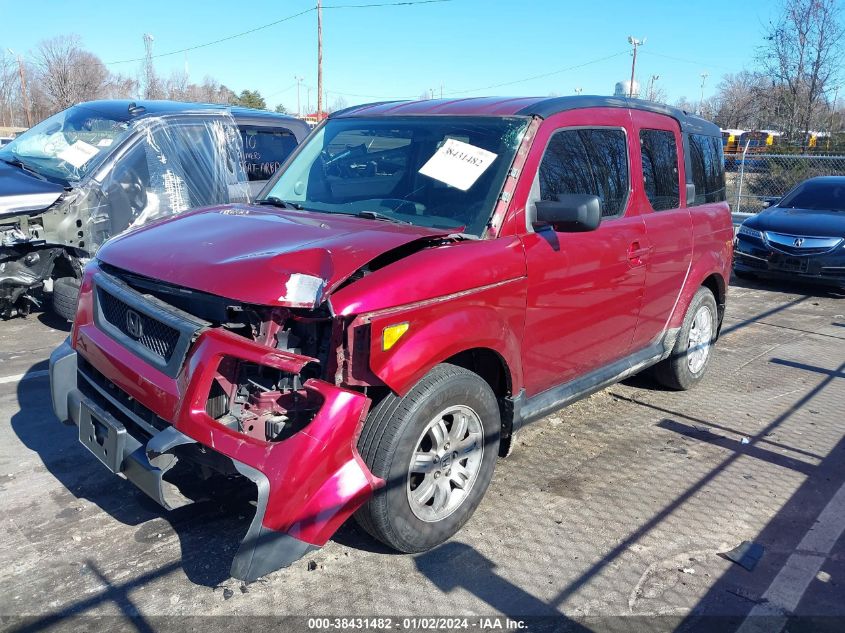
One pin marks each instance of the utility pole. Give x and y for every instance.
(298, 106)
(633, 41)
(24, 95)
(704, 77)
(319, 59)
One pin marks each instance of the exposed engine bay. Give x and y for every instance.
(256, 400)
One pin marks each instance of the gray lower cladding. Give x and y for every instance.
(528, 409)
(145, 464)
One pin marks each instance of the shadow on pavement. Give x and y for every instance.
(793, 287)
(456, 565)
(209, 531)
(800, 574)
(54, 321)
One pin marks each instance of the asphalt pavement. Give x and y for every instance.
(621, 505)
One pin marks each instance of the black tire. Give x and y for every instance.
(389, 440)
(65, 297)
(674, 372)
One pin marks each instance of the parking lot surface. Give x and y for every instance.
(621, 505)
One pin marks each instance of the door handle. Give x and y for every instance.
(636, 253)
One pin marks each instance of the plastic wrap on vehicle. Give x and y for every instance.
(176, 164)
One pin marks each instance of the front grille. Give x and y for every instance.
(800, 245)
(159, 338)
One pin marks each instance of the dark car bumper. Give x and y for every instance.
(756, 257)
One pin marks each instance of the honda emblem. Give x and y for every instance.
(134, 327)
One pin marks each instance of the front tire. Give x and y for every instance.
(436, 448)
(66, 296)
(691, 354)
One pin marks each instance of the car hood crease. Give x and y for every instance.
(258, 255)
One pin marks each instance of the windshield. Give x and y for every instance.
(433, 171)
(820, 195)
(67, 145)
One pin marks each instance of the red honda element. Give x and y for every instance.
(419, 281)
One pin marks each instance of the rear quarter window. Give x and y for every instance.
(660, 169)
(265, 149)
(708, 169)
(588, 161)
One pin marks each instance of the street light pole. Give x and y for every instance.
(319, 59)
(704, 77)
(298, 103)
(633, 41)
(650, 93)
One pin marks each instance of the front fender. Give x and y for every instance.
(491, 317)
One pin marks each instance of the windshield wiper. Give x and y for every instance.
(15, 162)
(375, 215)
(273, 201)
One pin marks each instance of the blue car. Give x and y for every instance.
(799, 237)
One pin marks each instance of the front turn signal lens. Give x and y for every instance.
(392, 333)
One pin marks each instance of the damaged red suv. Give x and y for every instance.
(419, 281)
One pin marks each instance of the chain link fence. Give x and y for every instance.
(752, 178)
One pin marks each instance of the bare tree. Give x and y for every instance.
(803, 55)
(121, 87)
(178, 87)
(9, 88)
(338, 104)
(67, 74)
(743, 100)
(656, 93)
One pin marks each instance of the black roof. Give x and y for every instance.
(689, 122)
(128, 109)
(525, 106)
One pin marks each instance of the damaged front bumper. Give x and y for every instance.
(307, 484)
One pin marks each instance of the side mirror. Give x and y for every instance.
(770, 202)
(570, 213)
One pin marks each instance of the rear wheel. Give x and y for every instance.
(65, 297)
(435, 448)
(690, 356)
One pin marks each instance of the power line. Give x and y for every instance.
(688, 61)
(276, 22)
(212, 43)
(541, 76)
(492, 86)
(382, 4)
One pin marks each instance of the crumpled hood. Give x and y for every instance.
(258, 255)
(800, 222)
(21, 192)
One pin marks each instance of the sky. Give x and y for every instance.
(462, 47)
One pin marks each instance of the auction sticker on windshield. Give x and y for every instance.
(458, 164)
(78, 154)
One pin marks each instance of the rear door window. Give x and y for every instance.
(708, 171)
(587, 161)
(660, 169)
(265, 149)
